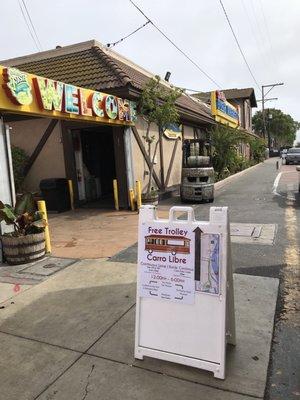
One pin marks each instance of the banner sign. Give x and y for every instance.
(185, 307)
(222, 110)
(29, 94)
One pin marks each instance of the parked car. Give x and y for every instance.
(274, 153)
(293, 156)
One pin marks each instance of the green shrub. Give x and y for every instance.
(19, 160)
(257, 149)
(225, 158)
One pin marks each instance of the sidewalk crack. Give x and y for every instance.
(86, 389)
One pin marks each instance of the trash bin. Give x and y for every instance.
(55, 192)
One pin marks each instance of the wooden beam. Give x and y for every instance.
(40, 146)
(161, 157)
(171, 161)
(145, 155)
(69, 157)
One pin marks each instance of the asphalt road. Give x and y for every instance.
(253, 198)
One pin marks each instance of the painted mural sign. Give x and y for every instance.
(224, 112)
(25, 93)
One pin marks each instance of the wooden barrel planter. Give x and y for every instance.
(23, 249)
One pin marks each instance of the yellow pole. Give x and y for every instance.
(116, 194)
(43, 211)
(138, 194)
(71, 193)
(131, 199)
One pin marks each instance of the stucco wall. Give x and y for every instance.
(50, 161)
(139, 164)
(175, 175)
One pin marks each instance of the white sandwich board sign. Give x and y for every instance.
(185, 305)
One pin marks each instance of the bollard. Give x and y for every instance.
(43, 210)
(131, 199)
(277, 164)
(138, 194)
(71, 193)
(116, 194)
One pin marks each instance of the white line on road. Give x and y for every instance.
(276, 183)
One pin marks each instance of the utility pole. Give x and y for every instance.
(271, 86)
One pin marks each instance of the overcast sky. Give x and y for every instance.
(268, 31)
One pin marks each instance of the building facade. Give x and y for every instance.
(93, 154)
(233, 107)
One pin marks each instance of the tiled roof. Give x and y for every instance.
(247, 93)
(231, 94)
(92, 66)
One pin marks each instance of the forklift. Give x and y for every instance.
(198, 175)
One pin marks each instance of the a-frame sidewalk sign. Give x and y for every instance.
(185, 303)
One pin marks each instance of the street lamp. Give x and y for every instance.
(271, 86)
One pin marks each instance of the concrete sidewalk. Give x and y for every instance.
(91, 233)
(71, 338)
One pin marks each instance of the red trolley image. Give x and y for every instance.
(164, 243)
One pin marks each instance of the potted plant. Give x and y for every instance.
(26, 242)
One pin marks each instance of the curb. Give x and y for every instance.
(223, 182)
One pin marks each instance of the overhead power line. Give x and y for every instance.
(175, 45)
(32, 25)
(29, 24)
(130, 34)
(268, 33)
(239, 46)
(257, 38)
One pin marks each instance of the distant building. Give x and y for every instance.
(232, 107)
(242, 99)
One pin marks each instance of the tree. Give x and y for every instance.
(157, 105)
(280, 126)
(225, 142)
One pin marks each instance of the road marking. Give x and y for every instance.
(291, 278)
(276, 183)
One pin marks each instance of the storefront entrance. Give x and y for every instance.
(95, 165)
(99, 157)
(94, 157)
(82, 141)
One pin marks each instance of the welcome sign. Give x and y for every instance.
(25, 93)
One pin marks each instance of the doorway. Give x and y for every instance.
(99, 159)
